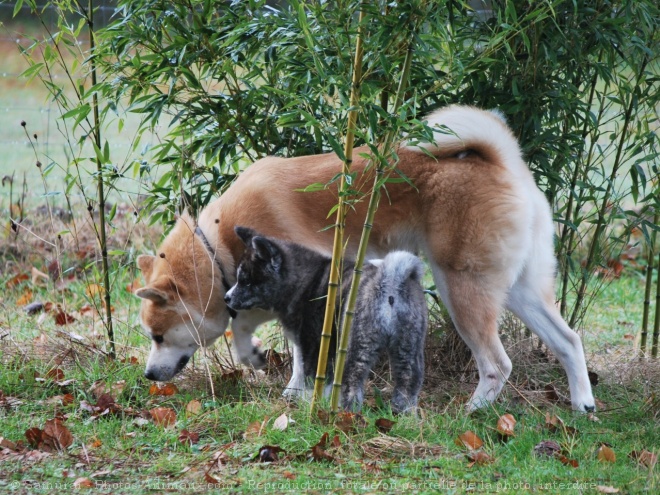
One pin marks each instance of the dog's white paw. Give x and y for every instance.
(297, 389)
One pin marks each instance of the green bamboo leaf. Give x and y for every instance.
(17, 7)
(32, 71)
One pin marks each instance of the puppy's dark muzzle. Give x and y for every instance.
(231, 309)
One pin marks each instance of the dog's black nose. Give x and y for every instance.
(149, 375)
(227, 299)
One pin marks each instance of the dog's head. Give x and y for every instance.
(182, 301)
(259, 274)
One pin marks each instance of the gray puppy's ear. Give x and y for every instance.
(245, 234)
(267, 250)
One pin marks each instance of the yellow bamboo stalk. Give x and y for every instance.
(647, 290)
(364, 239)
(656, 323)
(333, 284)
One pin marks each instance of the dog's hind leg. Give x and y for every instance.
(474, 302)
(532, 304)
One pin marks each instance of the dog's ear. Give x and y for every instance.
(245, 234)
(156, 295)
(267, 250)
(145, 263)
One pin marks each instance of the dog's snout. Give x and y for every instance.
(227, 298)
(150, 375)
(182, 363)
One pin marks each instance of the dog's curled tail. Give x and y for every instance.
(399, 266)
(460, 130)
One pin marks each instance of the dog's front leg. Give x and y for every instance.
(297, 386)
(246, 345)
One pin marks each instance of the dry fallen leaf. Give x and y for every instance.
(211, 480)
(163, 416)
(606, 489)
(318, 452)
(548, 448)
(644, 457)
(281, 423)
(384, 425)
(479, 458)
(16, 280)
(55, 374)
(83, 483)
(505, 425)
(349, 422)
(25, 298)
(566, 461)
(62, 318)
(254, 429)
(98, 388)
(62, 436)
(54, 436)
(193, 408)
(605, 454)
(5, 443)
(469, 440)
(165, 389)
(188, 437)
(63, 400)
(93, 290)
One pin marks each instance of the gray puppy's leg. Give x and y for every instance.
(406, 353)
(363, 353)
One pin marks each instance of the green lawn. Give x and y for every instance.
(127, 451)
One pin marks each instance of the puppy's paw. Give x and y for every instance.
(257, 358)
(295, 391)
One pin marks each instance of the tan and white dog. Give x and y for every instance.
(475, 212)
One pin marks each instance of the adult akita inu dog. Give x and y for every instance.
(474, 211)
(390, 313)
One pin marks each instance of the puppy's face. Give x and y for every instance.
(259, 277)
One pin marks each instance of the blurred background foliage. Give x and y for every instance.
(235, 81)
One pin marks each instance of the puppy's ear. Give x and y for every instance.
(245, 234)
(267, 250)
(145, 263)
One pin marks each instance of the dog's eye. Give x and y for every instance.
(158, 339)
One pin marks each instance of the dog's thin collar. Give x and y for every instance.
(212, 252)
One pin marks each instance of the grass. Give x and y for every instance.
(128, 452)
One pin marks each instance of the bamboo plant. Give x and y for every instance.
(647, 292)
(333, 283)
(382, 171)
